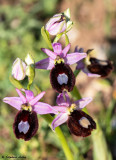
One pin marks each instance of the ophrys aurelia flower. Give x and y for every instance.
(26, 123)
(79, 123)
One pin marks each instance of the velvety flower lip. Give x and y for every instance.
(30, 100)
(66, 108)
(25, 125)
(62, 78)
(80, 123)
(60, 53)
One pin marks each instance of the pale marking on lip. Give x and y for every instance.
(84, 122)
(62, 78)
(23, 127)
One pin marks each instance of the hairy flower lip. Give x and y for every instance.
(58, 70)
(76, 127)
(25, 117)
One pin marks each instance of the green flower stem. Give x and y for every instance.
(76, 72)
(75, 93)
(58, 36)
(61, 137)
(100, 148)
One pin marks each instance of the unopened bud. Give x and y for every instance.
(19, 69)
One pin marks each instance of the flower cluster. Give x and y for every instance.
(62, 80)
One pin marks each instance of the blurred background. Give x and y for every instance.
(20, 33)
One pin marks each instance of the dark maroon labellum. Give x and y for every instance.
(80, 123)
(62, 77)
(100, 67)
(25, 125)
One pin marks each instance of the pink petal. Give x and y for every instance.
(83, 102)
(60, 119)
(85, 70)
(52, 20)
(74, 57)
(66, 49)
(60, 108)
(47, 63)
(61, 101)
(57, 47)
(29, 95)
(37, 98)
(24, 100)
(57, 28)
(51, 54)
(44, 108)
(15, 102)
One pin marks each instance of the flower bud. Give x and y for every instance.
(59, 23)
(29, 59)
(18, 69)
(56, 24)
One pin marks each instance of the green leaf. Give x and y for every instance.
(66, 40)
(46, 37)
(15, 82)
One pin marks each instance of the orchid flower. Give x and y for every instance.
(26, 124)
(94, 67)
(79, 123)
(61, 75)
